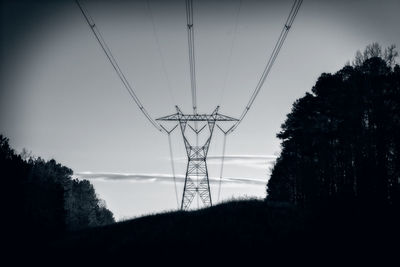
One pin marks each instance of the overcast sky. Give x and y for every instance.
(60, 97)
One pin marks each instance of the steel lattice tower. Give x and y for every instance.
(196, 180)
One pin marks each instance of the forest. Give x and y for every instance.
(43, 201)
(340, 142)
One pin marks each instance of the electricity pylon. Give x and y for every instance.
(196, 180)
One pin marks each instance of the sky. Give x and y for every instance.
(60, 98)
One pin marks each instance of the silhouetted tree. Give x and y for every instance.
(42, 200)
(84, 208)
(341, 142)
(33, 201)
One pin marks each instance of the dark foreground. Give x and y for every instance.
(243, 231)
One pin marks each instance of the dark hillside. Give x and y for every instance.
(240, 229)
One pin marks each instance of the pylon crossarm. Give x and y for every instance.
(196, 117)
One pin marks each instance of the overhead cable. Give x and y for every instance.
(169, 87)
(192, 59)
(173, 167)
(228, 68)
(114, 63)
(288, 24)
(222, 166)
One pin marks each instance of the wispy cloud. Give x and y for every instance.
(253, 161)
(246, 157)
(157, 177)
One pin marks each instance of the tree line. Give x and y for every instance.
(340, 142)
(42, 200)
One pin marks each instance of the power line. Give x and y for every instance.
(114, 63)
(192, 59)
(222, 165)
(230, 51)
(150, 13)
(288, 24)
(197, 166)
(173, 166)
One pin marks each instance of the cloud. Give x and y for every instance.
(156, 177)
(253, 161)
(243, 157)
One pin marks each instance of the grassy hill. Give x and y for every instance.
(250, 229)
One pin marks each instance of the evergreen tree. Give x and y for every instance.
(341, 142)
